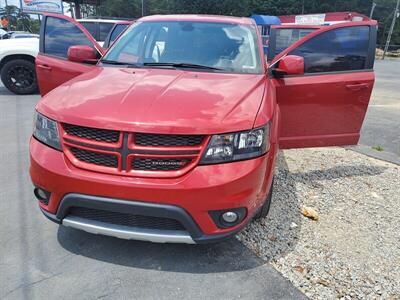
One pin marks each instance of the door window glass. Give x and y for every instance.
(288, 36)
(91, 27)
(61, 34)
(105, 29)
(342, 49)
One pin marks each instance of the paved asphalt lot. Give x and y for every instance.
(382, 124)
(40, 260)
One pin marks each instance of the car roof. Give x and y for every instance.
(199, 18)
(18, 32)
(105, 21)
(299, 26)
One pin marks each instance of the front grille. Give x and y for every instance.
(126, 219)
(100, 159)
(100, 135)
(130, 153)
(144, 139)
(159, 164)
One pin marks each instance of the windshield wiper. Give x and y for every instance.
(119, 63)
(179, 65)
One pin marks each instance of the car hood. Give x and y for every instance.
(28, 46)
(157, 100)
(29, 42)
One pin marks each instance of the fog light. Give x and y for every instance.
(230, 217)
(227, 218)
(42, 195)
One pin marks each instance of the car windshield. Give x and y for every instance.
(217, 47)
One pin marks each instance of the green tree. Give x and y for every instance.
(19, 20)
(121, 8)
(133, 9)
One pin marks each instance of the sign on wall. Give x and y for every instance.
(42, 6)
(317, 19)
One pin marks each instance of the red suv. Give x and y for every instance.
(172, 134)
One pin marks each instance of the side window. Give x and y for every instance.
(60, 34)
(286, 37)
(342, 49)
(91, 27)
(105, 29)
(117, 31)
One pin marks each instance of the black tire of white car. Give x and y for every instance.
(264, 210)
(19, 76)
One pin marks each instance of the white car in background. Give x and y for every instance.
(17, 56)
(100, 28)
(17, 35)
(2, 31)
(17, 64)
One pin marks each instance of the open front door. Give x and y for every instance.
(57, 34)
(325, 104)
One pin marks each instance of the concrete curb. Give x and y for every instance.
(382, 155)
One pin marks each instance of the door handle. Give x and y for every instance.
(357, 86)
(44, 67)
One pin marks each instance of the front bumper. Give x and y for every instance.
(191, 235)
(205, 188)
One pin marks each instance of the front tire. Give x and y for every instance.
(264, 210)
(19, 76)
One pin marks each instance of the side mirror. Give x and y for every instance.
(82, 54)
(290, 65)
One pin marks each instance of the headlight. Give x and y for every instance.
(236, 146)
(45, 130)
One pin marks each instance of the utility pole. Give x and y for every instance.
(372, 10)
(395, 16)
(142, 8)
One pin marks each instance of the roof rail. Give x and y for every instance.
(108, 18)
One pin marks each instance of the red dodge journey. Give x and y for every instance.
(172, 134)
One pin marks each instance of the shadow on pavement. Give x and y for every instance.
(4, 91)
(228, 256)
(274, 233)
(312, 177)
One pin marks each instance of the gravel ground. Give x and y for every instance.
(353, 250)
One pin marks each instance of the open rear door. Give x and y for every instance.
(57, 34)
(326, 104)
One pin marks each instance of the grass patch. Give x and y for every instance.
(378, 148)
